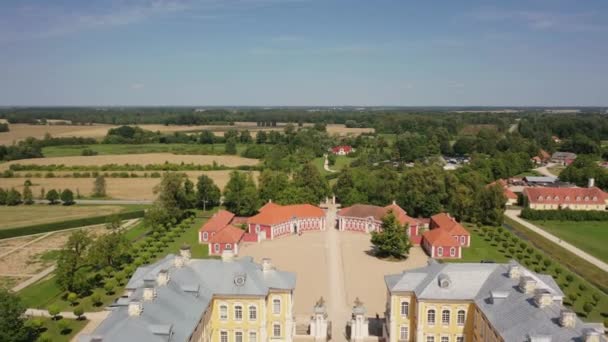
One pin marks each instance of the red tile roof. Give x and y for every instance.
(539, 195)
(444, 222)
(508, 193)
(271, 213)
(229, 234)
(440, 237)
(366, 210)
(345, 148)
(218, 221)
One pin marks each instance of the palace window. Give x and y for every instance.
(430, 316)
(453, 251)
(253, 312)
(405, 308)
(276, 330)
(223, 312)
(445, 339)
(461, 317)
(253, 336)
(238, 312)
(430, 339)
(445, 317)
(459, 338)
(276, 306)
(223, 336)
(439, 251)
(238, 336)
(403, 333)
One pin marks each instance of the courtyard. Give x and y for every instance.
(335, 265)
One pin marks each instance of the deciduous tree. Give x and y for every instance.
(392, 240)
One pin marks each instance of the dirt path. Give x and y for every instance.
(326, 165)
(514, 214)
(25, 245)
(337, 303)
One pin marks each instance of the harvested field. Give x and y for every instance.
(340, 129)
(20, 216)
(117, 188)
(19, 132)
(9, 282)
(136, 159)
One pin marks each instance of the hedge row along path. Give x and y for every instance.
(514, 215)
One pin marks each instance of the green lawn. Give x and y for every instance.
(46, 292)
(590, 236)
(105, 149)
(51, 329)
(341, 162)
(482, 248)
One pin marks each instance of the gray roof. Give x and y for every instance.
(563, 155)
(179, 305)
(540, 179)
(515, 316)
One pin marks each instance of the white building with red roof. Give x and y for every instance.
(367, 218)
(445, 238)
(342, 150)
(221, 234)
(274, 220)
(548, 198)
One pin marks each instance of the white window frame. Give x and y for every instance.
(222, 318)
(228, 247)
(404, 333)
(444, 338)
(274, 311)
(463, 240)
(254, 311)
(428, 312)
(452, 251)
(407, 307)
(440, 251)
(464, 317)
(274, 329)
(253, 336)
(430, 338)
(205, 236)
(257, 228)
(460, 338)
(449, 316)
(216, 247)
(224, 333)
(236, 307)
(242, 336)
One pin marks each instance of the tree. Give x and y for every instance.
(240, 194)
(310, 179)
(207, 193)
(245, 137)
(99, 187)
(78, 312)
(189, 194)
(64, 327)
(587, 307)
(52, 196)
(42, 193)
(230, 147)
(113, 223)
(28, 197)
(13, 197)
(206, 137)
(70, 274)
(2, 196)
(12, 322)
(54, 311)
(272, 185)
(67, 197)
(72, 298)
(109, 250)
(171, 201)
(392, 240)
(261, 137)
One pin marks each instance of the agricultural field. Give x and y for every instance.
(19, 216)
(590, 236)
(114, 149)
(136, 159)
(139, 188)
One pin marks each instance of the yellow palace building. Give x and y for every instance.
(480, 302)
(184, 299)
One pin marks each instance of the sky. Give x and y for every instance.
(304, 52)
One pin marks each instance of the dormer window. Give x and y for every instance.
(578, 198)
(595, 198)
(556, 198)
(586, 198)
(540, 198)
(567, 198)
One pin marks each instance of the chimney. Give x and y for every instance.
(567, 318)
(178, 261)
(135, 308)
(543, 298)
(394, 202)
(267, 265)
(591, 335)
(185, 252)
(514, 271)
(270, 200)
(149, 289)
(591, 182)
(162, 278)
(527, 284)
(227, 255)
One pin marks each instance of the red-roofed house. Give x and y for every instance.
(274, 220)
(545, 198)
(342, 150)
(368, 218)
(446, 237)
(220, 233)
(510, 195)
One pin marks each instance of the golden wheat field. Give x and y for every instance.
(136, 159)
(13, 217)
(116, 188)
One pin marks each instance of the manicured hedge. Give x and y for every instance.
(51, 227)
(564, 215)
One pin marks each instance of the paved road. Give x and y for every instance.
(337, 306)
(514, 214)
(543, 170)
(116, 202)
